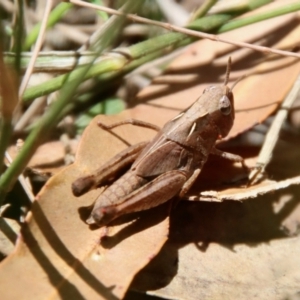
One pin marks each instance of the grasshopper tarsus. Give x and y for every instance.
(258, 173)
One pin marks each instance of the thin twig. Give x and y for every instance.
(266, 151)
(30, 112)
(247, 194)
(36, 50)
(186, 31)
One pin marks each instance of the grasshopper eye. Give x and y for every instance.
(225, 105)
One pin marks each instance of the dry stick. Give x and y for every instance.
(186, 31)
(25, 117)
(29, 113)
(271, 187)
(36, 50)
(265, 154)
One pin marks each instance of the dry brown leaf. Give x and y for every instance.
(230, 248)
(230, 224)
(256, 97)
(61, 254)
(49, 157)
(205, 51)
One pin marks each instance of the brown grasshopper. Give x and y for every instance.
(168, 165)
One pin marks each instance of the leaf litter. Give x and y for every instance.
(65, 254)
(222, 248)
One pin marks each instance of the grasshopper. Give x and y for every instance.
(168, 165)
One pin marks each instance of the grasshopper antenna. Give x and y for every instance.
(237, 81)
(228, 71)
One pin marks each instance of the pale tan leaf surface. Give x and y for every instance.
(49, 157)
(61, 255)
(8, 234)
(230, 250)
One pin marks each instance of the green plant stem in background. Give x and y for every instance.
(240, 6)
(18, 36)
(106, 80)
(134, 52)
(203, 9)
(253, 4)
(107, 65)
(168, 41)
(63, 61)
(103, 15)
(52, 61)
(54, 17)
(210, 23)
(52, 117)
(259, 17)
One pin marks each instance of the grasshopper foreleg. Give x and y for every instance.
(129, 121)
(229, 156)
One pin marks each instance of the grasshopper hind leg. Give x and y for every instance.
(153, 193)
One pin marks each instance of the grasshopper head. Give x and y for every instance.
(217, 105)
